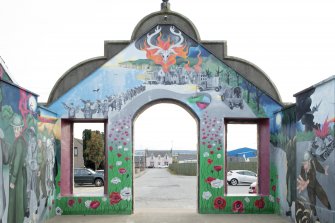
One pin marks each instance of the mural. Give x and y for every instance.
(283, 150)
(21, 158)
(315, 156)
(3, 73)
(164, 64)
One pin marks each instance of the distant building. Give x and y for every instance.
(156, 158)
(78, 156)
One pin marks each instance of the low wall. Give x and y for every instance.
(187, 169)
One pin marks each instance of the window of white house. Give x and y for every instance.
(75, 151)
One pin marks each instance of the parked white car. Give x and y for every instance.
(253, 188)
(235, 177)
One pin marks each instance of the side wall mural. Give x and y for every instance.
(25, 194)
(283, 156)
(164, 64)
(315, 159)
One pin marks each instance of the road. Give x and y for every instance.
(157, 188)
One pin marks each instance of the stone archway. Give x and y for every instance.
(155, 187)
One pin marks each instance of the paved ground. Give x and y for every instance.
(157, 188)
(173, 216)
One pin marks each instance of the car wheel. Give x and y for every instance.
(98, 182)
(234, 182)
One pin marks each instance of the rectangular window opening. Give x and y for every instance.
(88, 159)
(242, 158)
(83, 157)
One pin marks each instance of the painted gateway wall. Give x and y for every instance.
(283, 160)
(165, 64)
(315, 159)
(26, 187)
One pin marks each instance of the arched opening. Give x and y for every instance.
(165, 157)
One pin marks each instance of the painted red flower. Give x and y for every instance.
(94, 204)
(124, 143)
(127, 158)
(70, 203)
(238, 207)
(204, 137)
(211, 152)
(114, 198)
(79, 200)
(278, 200)
(119, 155)
(111, 148)
(209, 179)
(209, 146)
(259, 203)
(219, 148)
(209, 161)
(110, 166)
(122, 170)
(58, 183)
(219, 203)
(53, 201)
(274, 188)
(218, 168)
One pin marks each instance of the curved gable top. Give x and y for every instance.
(163, 59)
(83, 69)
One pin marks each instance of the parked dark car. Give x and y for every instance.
(88, 176)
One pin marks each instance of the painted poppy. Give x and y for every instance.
(219, 203)
(218, 168)
(94, 204)
(209, 179)
(70, 203)
(209, 161)
(238, 207)
(122, 170)
(259, 203)
(114, 198)
(119, 155)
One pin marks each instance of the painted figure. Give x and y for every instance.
(41, 161)
(307, 180)
(71, 110)
(32, 171)
(87, 110)
(50, 165)
(3, 161)
(17, 175)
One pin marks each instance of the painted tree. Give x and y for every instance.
(218, 72)
(249, 88)
(237, 78)
(258, 95)
(228, 73)
(95, 149)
